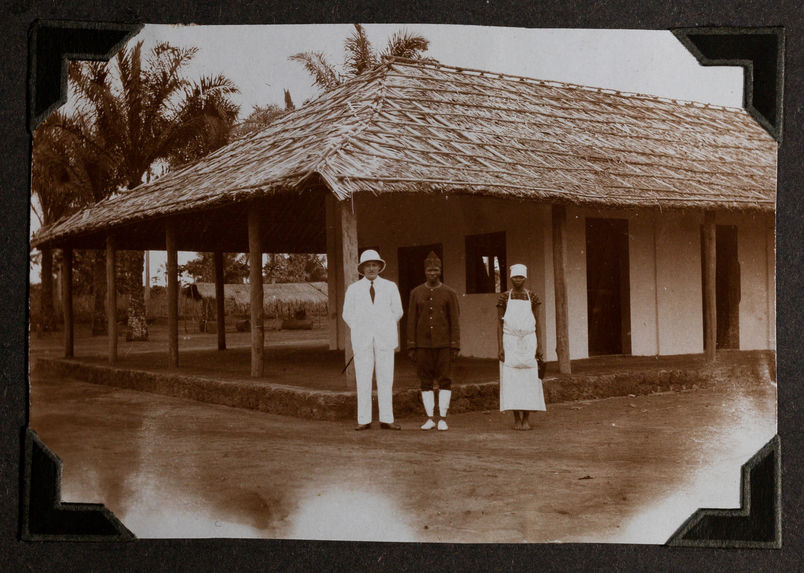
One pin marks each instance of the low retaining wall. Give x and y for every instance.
(329, 405)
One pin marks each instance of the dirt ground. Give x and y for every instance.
(628, 469)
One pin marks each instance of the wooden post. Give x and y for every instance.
(656, 230)
(334, 328)
(560, 283)
(220, 309)
(770, 262)
(111, 299)
(709, 286)
(255, 289)
(172, 295)
(347, 230)
(67, 299)
(147, 287)
(46, 295)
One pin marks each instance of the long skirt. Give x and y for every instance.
(520, 387)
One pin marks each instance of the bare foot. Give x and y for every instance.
(525, 426)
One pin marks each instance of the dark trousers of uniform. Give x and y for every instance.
(434, 364)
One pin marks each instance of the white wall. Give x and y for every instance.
(665, 266)
(403, 220)
(757, 278)
(549, 287)
(576, 284)
(678, 278)
(770, 259)
(643, 269)
(642, 279)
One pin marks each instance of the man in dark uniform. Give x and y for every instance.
(434, 338)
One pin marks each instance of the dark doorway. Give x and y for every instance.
(411, 275)
(727, 287)
(486, 269)
(608, 293)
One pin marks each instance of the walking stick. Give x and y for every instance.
(347, 364)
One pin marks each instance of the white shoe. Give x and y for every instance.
(428, 425)
(442, 425)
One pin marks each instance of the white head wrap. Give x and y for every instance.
(519, 271)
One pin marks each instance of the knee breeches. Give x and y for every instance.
(434, 364)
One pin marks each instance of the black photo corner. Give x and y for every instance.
(42, 515)
(45, 516)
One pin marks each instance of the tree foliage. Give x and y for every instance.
(324, 74)
(142, 110)
(70, 168)
(262, 116)
(259, 118)
(146, 110)
(360, 56)
(295, 268)
(210, 117)
(202, 268)
(279, 268)
(67, 173)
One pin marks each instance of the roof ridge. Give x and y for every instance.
(376, 105)
(302, 110)
(553, 83)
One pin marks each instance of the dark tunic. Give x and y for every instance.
(433, 318)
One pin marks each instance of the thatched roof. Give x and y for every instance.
(278, 298)
(417, 127)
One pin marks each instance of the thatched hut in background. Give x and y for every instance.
(285, 305)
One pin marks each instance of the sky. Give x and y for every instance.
(643, 61)
(256, 59)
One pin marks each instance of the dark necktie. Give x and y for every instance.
(371, 291)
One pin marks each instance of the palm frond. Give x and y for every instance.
(324, 75)
(56, 178)
(360, 55)
(137, 110)
(404, 44)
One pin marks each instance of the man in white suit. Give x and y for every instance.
(372, 307)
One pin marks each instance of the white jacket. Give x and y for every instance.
(373, 322)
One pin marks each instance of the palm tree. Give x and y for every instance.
(361, 56)
(145, 112)
(70, 170)
(259, 118)
(53, 185)
(95, 175)
(208, 118)
(262, 116)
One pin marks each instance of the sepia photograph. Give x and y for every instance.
(403, 282)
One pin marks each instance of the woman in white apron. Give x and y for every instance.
(519, 353)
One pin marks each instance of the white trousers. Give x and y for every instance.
(380, 361)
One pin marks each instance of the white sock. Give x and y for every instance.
(443, 402)
(428, 398)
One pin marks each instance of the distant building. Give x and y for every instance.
(280, 300)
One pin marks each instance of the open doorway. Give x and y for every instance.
(608, 292)
(411, 275)
(727, 287)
